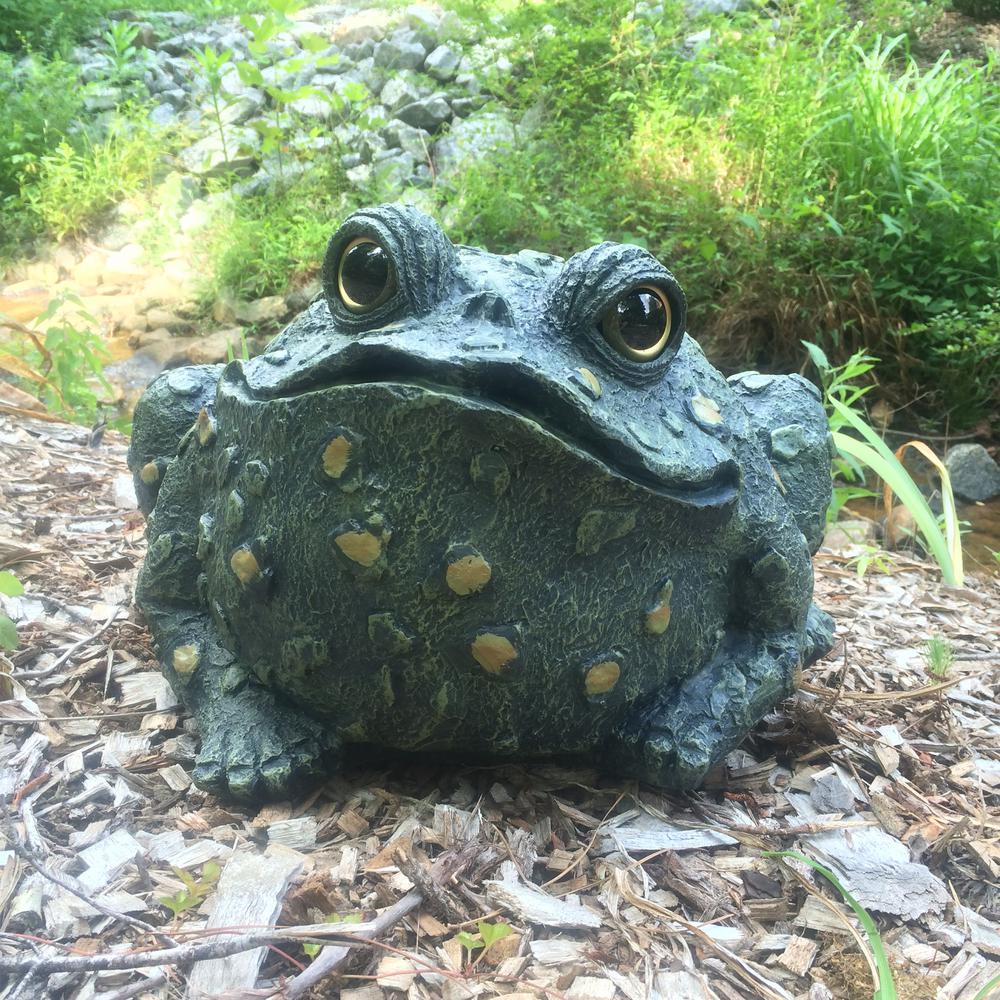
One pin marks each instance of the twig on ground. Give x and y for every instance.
(35, 675)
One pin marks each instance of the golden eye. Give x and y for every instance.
(365, 275)
(637, 326)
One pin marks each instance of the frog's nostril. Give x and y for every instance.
(489, 306)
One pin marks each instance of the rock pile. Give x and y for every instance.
(399, 96)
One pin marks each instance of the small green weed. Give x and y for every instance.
(489, 934)
(10, 586)
(940, 657)
(885, 987)
(872, 557)
(195, 889)
(126, 60)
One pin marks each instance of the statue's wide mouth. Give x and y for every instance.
(499, 388)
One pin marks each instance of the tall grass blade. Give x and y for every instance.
(885, 988)
(881, 460)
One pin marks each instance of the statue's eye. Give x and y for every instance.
(365, 275)
(638, 325)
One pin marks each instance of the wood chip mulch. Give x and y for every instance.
(119, 878)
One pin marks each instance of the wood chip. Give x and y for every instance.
(799, 955)
(249, 893)
(535, 906)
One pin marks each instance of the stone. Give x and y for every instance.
(319, 108)
(830, 795)
(442, 63)
(393, 172)
(240, 109)
(696, 8)
(125, 267)
(164, 318)
(975, 476)
(271, 309)
(206, 158)
(105, 98)
(390, 558)
(163, 114)
(477, 137)
(399, 135)
(359, 176)
(397, 92)
(399, 52)
(215, 347)
(363, 26)
(428, 113)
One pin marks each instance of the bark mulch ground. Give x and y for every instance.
(119, 878)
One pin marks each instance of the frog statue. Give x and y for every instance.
(497, 506)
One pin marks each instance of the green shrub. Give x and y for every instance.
(39, 99)
(73, 188)
(261, 245)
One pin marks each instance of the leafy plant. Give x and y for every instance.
(312, 949)
(939, 657)
(212, 64)
(10, 586)
(60, 360)
(122, 52)
(885, 987)
(489, 934)
(872, 556)
(195, 888)
(861, 448)
(73, 187)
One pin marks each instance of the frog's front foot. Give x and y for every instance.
(255, 748)
(677, 737)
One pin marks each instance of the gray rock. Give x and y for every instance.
(423, 19)
(400, 53)
(360, 176)
(428, 113)
(350, 160)
(272, 176)
(249, 104)
(360, 50)
(96, 70)
(174, 97)
(370, 146)
(451, 27)
(163, 114)
(207, 159)
(830, 795)
(392, 173)
(464, 106)
(442, 63)
(469, 82)
(372, 76)
(974, 474)
(399, 135)
(311, 106)
(472, 139)
(695, 8)
(157, 80)
(101, 98)
(397, 92)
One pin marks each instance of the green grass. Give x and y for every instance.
(262, 245)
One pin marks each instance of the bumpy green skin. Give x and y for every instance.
(426, 528)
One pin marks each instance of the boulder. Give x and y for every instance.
(401, 51)
(398, 92)
(215, 347)
(974, 474)
(428, 113)
(271, 309)
(442, 63)
(399, 135)
(207, 159)
(473, 138)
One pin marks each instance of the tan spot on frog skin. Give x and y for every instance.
(706, 409)
(150, 473)
(658, 615)
(244, 564)
(592, 382)
(601, 678)
(186, 659)
(468, 575)
(494, 653)
(362, 547)
(336, 455)
(205, 428)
